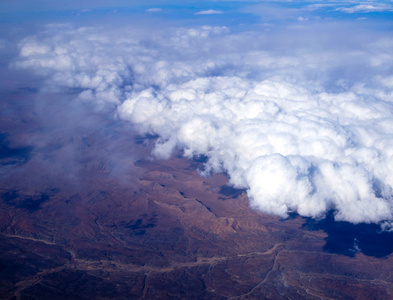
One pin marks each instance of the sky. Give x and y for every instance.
(293, 100)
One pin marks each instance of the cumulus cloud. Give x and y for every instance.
(68, 63)
(209, 12)
(306, 129)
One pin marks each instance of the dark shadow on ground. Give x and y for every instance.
(230, 191)
(12, 155)
(347, 239)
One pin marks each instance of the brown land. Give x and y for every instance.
(171, 234)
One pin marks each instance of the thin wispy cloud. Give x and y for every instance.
(154, 10)
(365, 8)
(209, 12)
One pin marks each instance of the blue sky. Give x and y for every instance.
(233, 11)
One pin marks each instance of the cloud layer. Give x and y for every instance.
(300, 118)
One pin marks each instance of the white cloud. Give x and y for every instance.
(365, 8)
(302, 129)
(153, 10)
(209, 12)
(319, 6)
